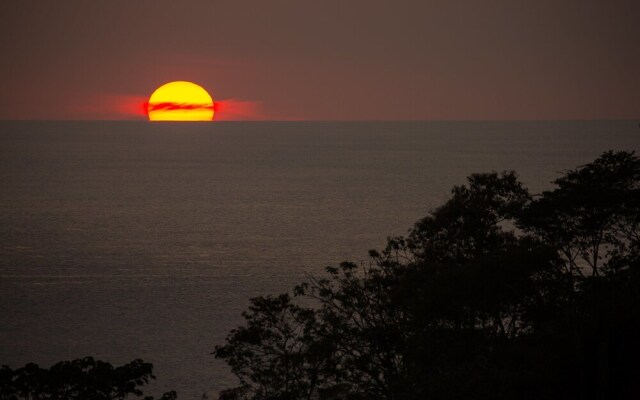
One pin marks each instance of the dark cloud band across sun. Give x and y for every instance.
(171, 106)
(225, 110)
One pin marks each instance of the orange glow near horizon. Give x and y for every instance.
(180, 101)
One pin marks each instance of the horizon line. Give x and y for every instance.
(321, 120)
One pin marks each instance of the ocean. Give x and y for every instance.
(125, 240)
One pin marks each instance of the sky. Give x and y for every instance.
(324, 60)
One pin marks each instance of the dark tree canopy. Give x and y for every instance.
(496, 294)
(593, 216)
(82, 379)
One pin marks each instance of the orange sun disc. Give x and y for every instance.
(180, 101)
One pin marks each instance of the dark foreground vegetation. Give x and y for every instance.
(497, 294)
(82, 379)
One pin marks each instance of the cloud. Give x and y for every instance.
(128, 106)
(104, 107)
(225, 110)
(171, 106)
(239, 110)
(135, 107)
(246, 110)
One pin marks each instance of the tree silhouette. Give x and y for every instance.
(81, 379)
(593, 215)
(496, 294)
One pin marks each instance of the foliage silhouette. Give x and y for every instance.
(81, 379)
(496, 294)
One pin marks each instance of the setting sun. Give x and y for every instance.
(180, 101)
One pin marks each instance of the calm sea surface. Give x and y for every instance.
(130, 239)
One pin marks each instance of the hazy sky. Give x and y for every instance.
(324, 60)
